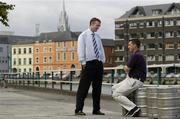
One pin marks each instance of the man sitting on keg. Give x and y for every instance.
(136, 75)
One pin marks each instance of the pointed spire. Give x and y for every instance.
(63, 20)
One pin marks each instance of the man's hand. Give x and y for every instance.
(126, 69)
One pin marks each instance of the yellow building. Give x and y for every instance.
(22, 58)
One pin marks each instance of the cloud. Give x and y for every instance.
(27, 13)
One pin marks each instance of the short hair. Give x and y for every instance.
(136, 42)
(94, 19)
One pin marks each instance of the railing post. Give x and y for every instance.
(61, 75)
(70, 80)
(112, 76)
(159, 75)
(52, 75)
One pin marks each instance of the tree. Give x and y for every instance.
(4, 8)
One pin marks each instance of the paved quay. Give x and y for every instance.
(27, 104)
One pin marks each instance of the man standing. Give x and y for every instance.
(91, 56)
(136, 75)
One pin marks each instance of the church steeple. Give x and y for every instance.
(63, 20)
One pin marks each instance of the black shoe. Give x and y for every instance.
(98, 113)
(133, 112)
(81, 113)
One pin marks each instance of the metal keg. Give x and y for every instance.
(168, 101)
(152, 102)
(140, 100)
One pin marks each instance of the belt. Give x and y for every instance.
(95, 60)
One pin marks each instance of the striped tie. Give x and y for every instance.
(96, 51)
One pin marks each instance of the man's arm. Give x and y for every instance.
(127, 69)
(81, 50)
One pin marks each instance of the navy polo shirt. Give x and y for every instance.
(138, 66)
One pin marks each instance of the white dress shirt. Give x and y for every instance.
(86, 48)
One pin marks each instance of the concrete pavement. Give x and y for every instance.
(24, 104)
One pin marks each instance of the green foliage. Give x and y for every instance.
(4, 8)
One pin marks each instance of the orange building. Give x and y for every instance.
(59, 52)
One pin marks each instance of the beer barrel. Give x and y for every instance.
(140, 100)
(168, 101)
(152, 102)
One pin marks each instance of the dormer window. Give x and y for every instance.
(156, 12)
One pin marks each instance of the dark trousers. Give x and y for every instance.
(92, 73)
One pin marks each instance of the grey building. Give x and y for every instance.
(156, 26)
(6, 40)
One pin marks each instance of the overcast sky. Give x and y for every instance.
(27, 13)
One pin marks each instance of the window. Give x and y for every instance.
(178, 22)
(24, 69)
(1, 49)
(160, 45)
(156, 12)
(160, 58)
(45, 59)
(14, 61)
(170, 58)
(151, 35)
(178, 33)
(119, 26)
(119, 59)
(178, 56)
(37, 60)
(120, 48)
(19, 61)
(45, 50)
(30, 70)
(72, 43)
(141, 35)
(58, 56)
(37, 50)
(151, 58)
(30, 61)
(169, 23)
(50, 59)
(50, 49)
(30, 50)
(178, 46)
(169, 34)
(24, 61)
(64, 44)
(150, 23)
(133, 25)
(159, 34)
(169, 46)
(14, 51)
(151, 46)
(59, 44)
(72, 56)
(19, 51)
(133, 35)
(64, 56)
(141, 25)
(159, 24)
(24, 50)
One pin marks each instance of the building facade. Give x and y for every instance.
(22, 58)
(156, 26)
(4, 58)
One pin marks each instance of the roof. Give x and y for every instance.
(12, 39)
(59, 36)
(147, 10)
(108, 42)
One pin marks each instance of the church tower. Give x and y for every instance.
(63, 20)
